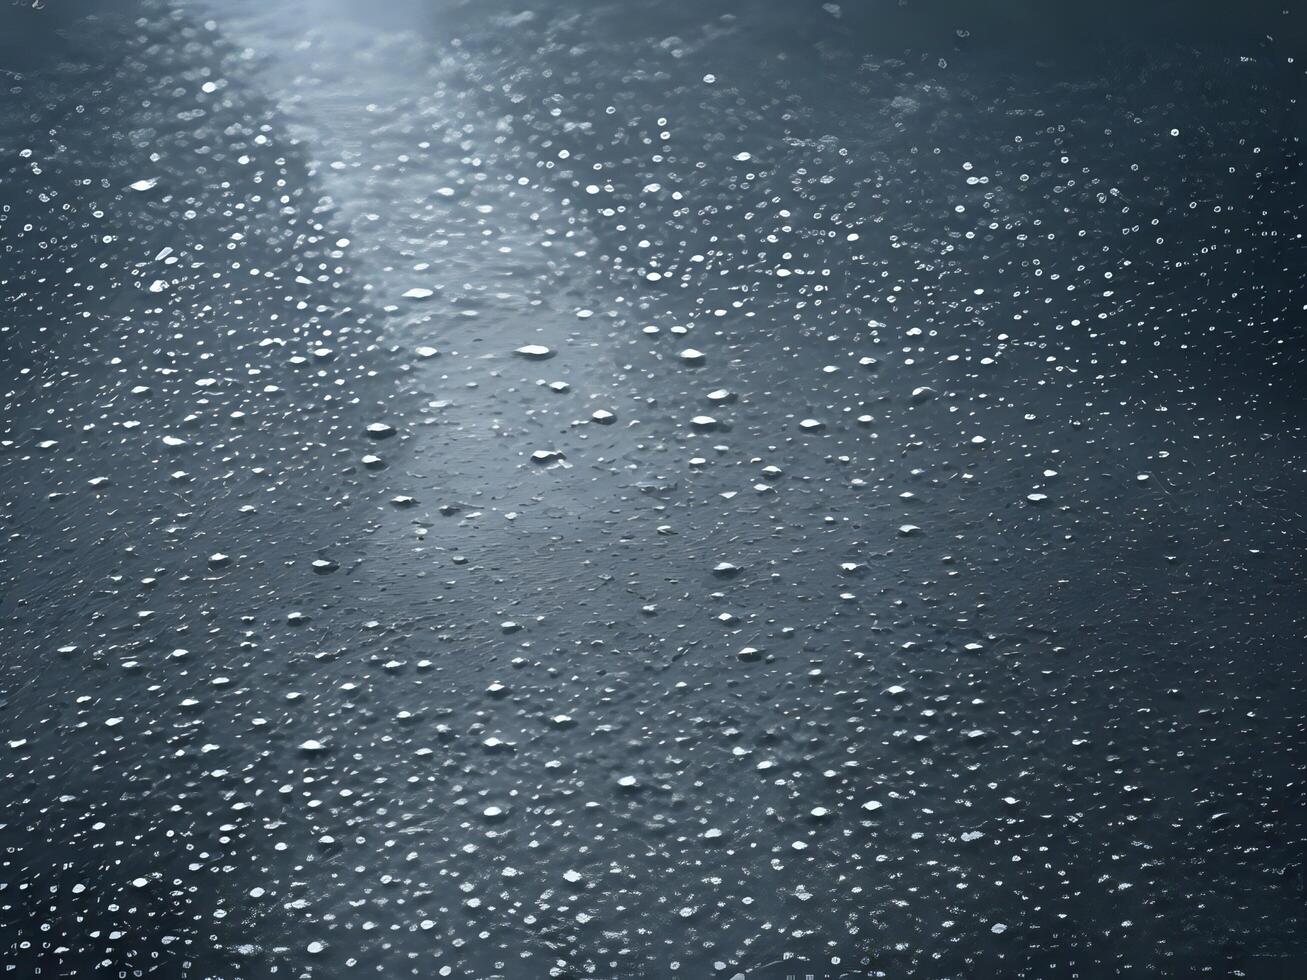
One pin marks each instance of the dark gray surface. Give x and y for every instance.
(1074, 688)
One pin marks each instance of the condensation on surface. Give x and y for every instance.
(635, 491)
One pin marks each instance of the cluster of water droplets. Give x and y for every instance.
(562, 499)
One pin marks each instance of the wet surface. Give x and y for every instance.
(650, 491)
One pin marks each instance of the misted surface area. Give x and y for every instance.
(665, 490)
